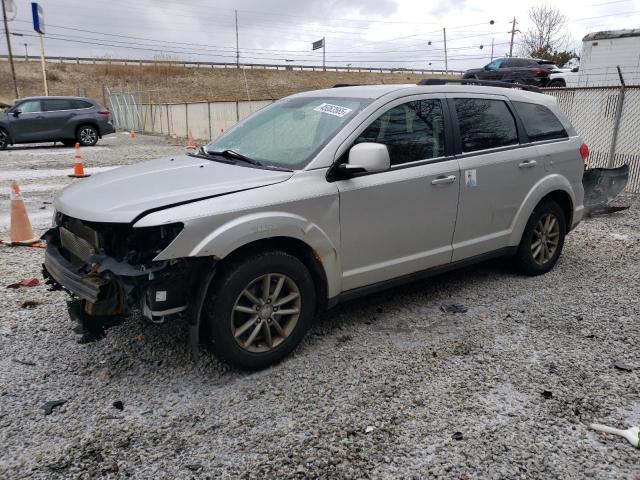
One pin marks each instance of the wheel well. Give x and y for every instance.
(299, 249)
(563, 199)
(91, 124)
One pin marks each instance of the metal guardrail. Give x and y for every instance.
(249, 66)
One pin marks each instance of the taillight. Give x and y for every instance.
(104, 112)
(584, 152)
(540, 72)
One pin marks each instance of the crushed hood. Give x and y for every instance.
(122, 194)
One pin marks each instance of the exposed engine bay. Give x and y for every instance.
(109, 270)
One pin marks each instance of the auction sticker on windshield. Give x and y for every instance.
(336, 110)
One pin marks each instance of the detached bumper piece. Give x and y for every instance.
(601, 186)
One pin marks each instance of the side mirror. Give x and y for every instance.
(575, 69)
(368, 157)
(16, 113)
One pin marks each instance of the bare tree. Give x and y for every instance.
(548, 32)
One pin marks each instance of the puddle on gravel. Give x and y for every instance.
(46, 173)
(41, 152)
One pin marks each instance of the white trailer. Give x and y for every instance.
(602, 53)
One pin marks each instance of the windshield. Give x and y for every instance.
(290, 132)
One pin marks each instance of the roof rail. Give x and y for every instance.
(340, 85)
(473, 81)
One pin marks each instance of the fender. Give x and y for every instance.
(546, 185)
(252, 227)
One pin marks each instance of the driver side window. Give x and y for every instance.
(411, 131)
(30, 106)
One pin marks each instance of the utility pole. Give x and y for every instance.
(492, 49)
(446, 60)
(237, 43)
(513, 32)
(324, 48)
(6, 32)
(44, 67)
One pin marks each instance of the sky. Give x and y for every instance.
(381, 33)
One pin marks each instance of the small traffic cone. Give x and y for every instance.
(132, 135)
(78, 168)
(190, 144)
(21, 231)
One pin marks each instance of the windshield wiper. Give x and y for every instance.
(233, 155)
(237, 156)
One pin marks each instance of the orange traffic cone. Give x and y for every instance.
(132, 135)
(190, 144)
(21, 231)
(78, 168)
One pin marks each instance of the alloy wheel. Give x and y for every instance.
(4, 139)
(266, 312)
(546, 237)
(88, 135)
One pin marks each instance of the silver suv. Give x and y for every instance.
(318, 198)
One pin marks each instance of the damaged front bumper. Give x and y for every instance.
(104, 289)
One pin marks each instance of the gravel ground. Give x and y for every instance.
(388, 386)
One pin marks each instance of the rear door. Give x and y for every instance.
(498, 168)
(400, 221)
(28, 125)
(58, 113)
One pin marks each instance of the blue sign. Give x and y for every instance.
(38, 17)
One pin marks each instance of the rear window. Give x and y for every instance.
(57, 104)
(81, 104)
(485, 124)
(540, 123)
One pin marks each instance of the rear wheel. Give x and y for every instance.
(4, 140)
(259, 309)
(542, 240)
(87, 135)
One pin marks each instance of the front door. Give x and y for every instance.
(400, 221)
(28, 125)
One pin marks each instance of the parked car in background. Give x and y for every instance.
(318, 198)
(528, 71)
(563, 78)
(54, 119)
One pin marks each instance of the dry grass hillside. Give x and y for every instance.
(180, 84)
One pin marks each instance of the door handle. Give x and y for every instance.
(443, 180)
(528, 164)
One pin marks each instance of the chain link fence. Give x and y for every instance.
(607, 118)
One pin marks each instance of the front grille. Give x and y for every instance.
(74, 245)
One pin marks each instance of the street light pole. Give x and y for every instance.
(446, 60)
(6, 32)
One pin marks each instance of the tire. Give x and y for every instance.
(87, 135)
(4, 139)
(230, 313)
(546, 224)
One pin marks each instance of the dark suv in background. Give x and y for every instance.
(530, 71)
(50, 119)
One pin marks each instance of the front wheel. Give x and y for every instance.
(87, 136)
(259, 309)
(4, 140)
(542, 240)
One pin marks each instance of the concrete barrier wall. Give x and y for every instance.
(204, 120)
